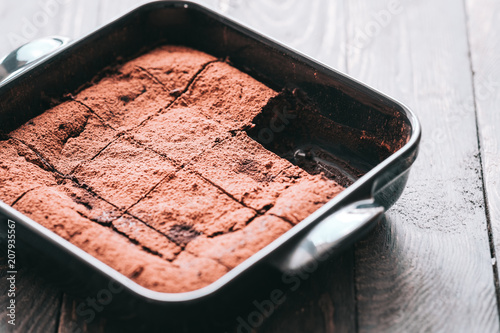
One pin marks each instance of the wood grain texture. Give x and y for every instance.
(428, 267)
(324, 302)
(37, 302)
(483, 17)
(316, 28)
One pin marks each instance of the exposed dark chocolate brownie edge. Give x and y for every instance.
(292, 119)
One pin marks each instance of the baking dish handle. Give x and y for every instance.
(330, 234)
(29, 53)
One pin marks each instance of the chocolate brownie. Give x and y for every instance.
(172, 66)
(180, 133)
(148, 237)
(223, 93)
(246, 171)
(57, 212)
(65, 135)
(230, 249)
(150, 168)
(21, 171)
(304, 197)
(123, 172)
(143, 86)
(187, 199)
(125, 100)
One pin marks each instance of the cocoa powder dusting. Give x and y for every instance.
(149, 169)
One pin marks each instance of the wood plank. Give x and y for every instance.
(324, 302)
(428, 267)
(316, 28)
(483, 18)
(37, 302)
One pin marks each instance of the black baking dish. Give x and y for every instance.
(379, 178)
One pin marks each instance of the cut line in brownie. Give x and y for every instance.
(88, 204)
(57, 212)
(233, 248)
(65, 135)
(144, 235)
(185, 199)
(20, 171)
(123, 173)
(226, 95)
(143, 86)
(180, 133)
(123, 101)
(172, 66)
(246, 171)
(99, 211)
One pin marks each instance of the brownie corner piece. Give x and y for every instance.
(233, 248)
(65, 135)
(20, 171)
(227, 95)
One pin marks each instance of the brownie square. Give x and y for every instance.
(247, 171)
(172, 66)
(227, 95)
(233, 248)
(65, 135)
(123, 173)
(187, 202)
(180, 133)
(303, 198)
(20, 171)
(123, 101)
(146, 236)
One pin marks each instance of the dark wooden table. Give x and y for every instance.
(431, 264)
